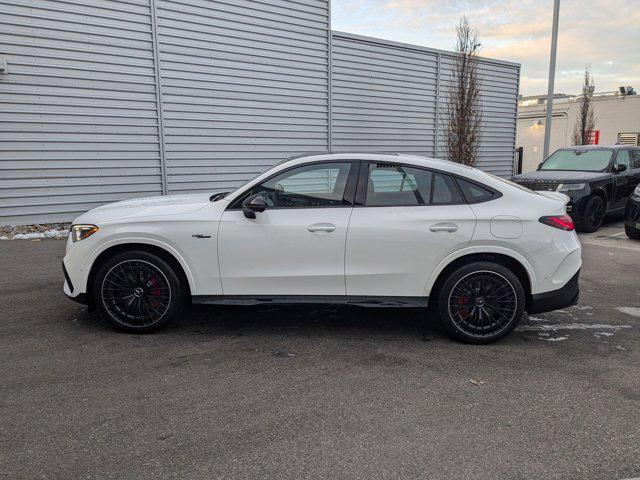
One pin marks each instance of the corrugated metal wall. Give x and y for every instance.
(112, 99)
(499, 98)
(384, 96)
(391, 97)
(244, 85)
(78, 120)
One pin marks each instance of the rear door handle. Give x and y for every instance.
(444, 227)
(322, 227)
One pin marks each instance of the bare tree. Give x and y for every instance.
(586, 123)
(463, 124)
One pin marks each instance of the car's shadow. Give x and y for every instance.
(306, 320)
(311, 321)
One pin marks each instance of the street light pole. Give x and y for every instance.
(552, 76)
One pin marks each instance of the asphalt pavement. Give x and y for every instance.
(318, 392)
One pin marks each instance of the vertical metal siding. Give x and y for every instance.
(244, 85)
(386, 97)
(78, 120)
(499, 99)
(113, 99)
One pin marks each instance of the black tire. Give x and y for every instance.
(138, 292)
(632, 232)
(480, 302)
(593, 215)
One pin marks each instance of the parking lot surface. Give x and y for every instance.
(319, 392)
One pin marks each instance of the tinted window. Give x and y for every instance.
(390, 185)
(397, 185)
(474, 193)
(444, 190)
(317, 185)
(578, 160)
(622, 158)
(635, 154)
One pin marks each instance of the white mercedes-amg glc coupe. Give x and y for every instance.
(365, 229)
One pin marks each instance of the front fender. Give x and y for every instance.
(154, 240)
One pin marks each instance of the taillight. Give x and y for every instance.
(563, 222)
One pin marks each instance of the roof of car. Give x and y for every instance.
(377, 156)
(597, 147)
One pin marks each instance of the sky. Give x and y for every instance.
(604, 34)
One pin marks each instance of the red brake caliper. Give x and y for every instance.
(463, 311)
(155, 292)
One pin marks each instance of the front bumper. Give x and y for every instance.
(556, 299)
(68, 288)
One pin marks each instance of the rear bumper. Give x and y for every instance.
(556, 299)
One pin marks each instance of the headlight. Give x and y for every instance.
(80, 232)
(567, 187)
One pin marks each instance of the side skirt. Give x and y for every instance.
(362, 301)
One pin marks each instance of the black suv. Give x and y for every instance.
(597, 179)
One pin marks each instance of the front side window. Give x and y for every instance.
(578, 160)
(622, 158)
(307, 186)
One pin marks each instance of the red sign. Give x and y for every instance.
(595, 138)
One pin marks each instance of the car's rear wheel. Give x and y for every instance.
(632, 232)
(480, 302)
(138, 291)
(593, 215)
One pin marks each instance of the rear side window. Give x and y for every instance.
(474, 193)
(390, 185)
(395, 185)
(636, 158)
(445, 191)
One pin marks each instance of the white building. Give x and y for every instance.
(617, 115)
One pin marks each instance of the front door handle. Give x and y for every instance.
(444, 227)
(322, 227)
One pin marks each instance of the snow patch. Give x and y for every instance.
(39, 235)
(538, 319)
(633, 311)
(570, 326)
(556, 339)
(603, 334)
(583, 307)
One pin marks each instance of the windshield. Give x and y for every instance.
(580, 160)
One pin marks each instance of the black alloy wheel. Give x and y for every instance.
(593, 215)
(138, 291)
(481, 302)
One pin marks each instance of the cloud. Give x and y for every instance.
(604, 34)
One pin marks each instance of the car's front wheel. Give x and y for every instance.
(480, 302)
(138, 291)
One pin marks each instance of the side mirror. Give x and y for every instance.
(252, 205)
(540, 165)
(619, 168)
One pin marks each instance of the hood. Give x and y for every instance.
(560, 176)
(146, 207)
